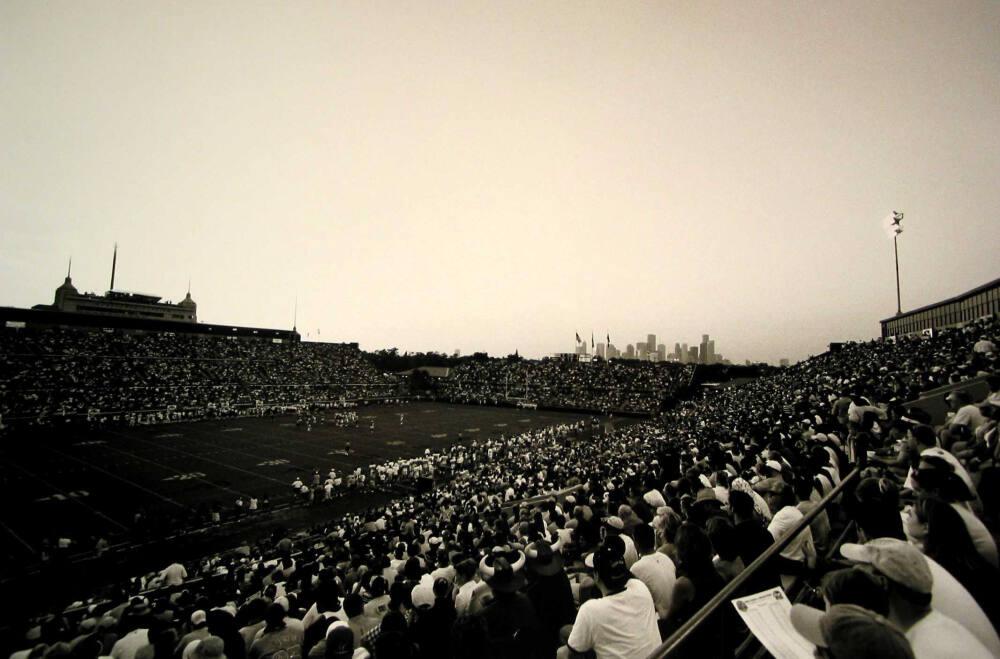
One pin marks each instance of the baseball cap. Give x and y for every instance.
(897, 559)
(198, 617)
(773, 464)
(848, 630)
(423, 593)
(339, 639)
(211, 647)
(615, 522)
(609, 563)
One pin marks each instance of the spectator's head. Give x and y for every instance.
(846, 631)
(905, 569)
(855, 586)
(339, 641)
(353, 605)
(694, 549)
(274, 619)
(741, 504)
(645, 539)
(211, 647)
(723, 536)
(542, 560)
(612, 526)
(610, 569)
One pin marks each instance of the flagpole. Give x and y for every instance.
(895, 248)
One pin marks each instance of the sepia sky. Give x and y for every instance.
(500, 175)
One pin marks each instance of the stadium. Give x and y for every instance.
(291, 467)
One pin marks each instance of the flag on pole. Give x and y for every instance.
(591, 340)
(609, 338)
(893, 224)
(578, 339)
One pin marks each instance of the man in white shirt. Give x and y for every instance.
(801, 551)
(622, 623)
(964, 413)
(465, 580)
(654, 569)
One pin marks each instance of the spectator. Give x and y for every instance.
(846, 631)
(909, 581)
(622, 623)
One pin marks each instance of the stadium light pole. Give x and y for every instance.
(895, 248)
(893, 224)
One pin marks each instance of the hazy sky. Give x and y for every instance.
(500, 175)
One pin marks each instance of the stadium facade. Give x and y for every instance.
(958, 310)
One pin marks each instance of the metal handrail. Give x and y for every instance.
(720, 598)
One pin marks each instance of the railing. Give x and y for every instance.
(721, 598)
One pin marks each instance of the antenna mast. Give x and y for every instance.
(114, 262)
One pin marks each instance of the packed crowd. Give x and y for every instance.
(544, 544)
(596, 385)
(57, 376)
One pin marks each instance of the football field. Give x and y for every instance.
(86, 484)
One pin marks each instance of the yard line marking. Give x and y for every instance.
(18, 538)
(156, 494)
(75, 500)
(500, 425)
(525, 420)
(286, 425)
(75, 494)
(231, 429)
(272, 463)
(92, 442)
(439, 435)
(197, 457)
(395, 442)
(472, 430)
(168, 435)
(190, 476)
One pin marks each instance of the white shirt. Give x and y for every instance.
(937, 635)
(784, 521)
(950, 598)
(173, 575)
(659, 573)
(128, 645)
(968, 415)
(464, 596)
(981, 536)
(619, 626)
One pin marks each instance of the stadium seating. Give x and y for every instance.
(55, 376)
(466, 570)
(616, 386)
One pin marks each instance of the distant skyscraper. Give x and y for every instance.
(650, 343)
(711, 359)
(685, 354)
(661, 353)
(693, 355)
(630, 351)
(703, 352)
(678, 353)
(784, 362)
(602, 351)
(640, 351)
